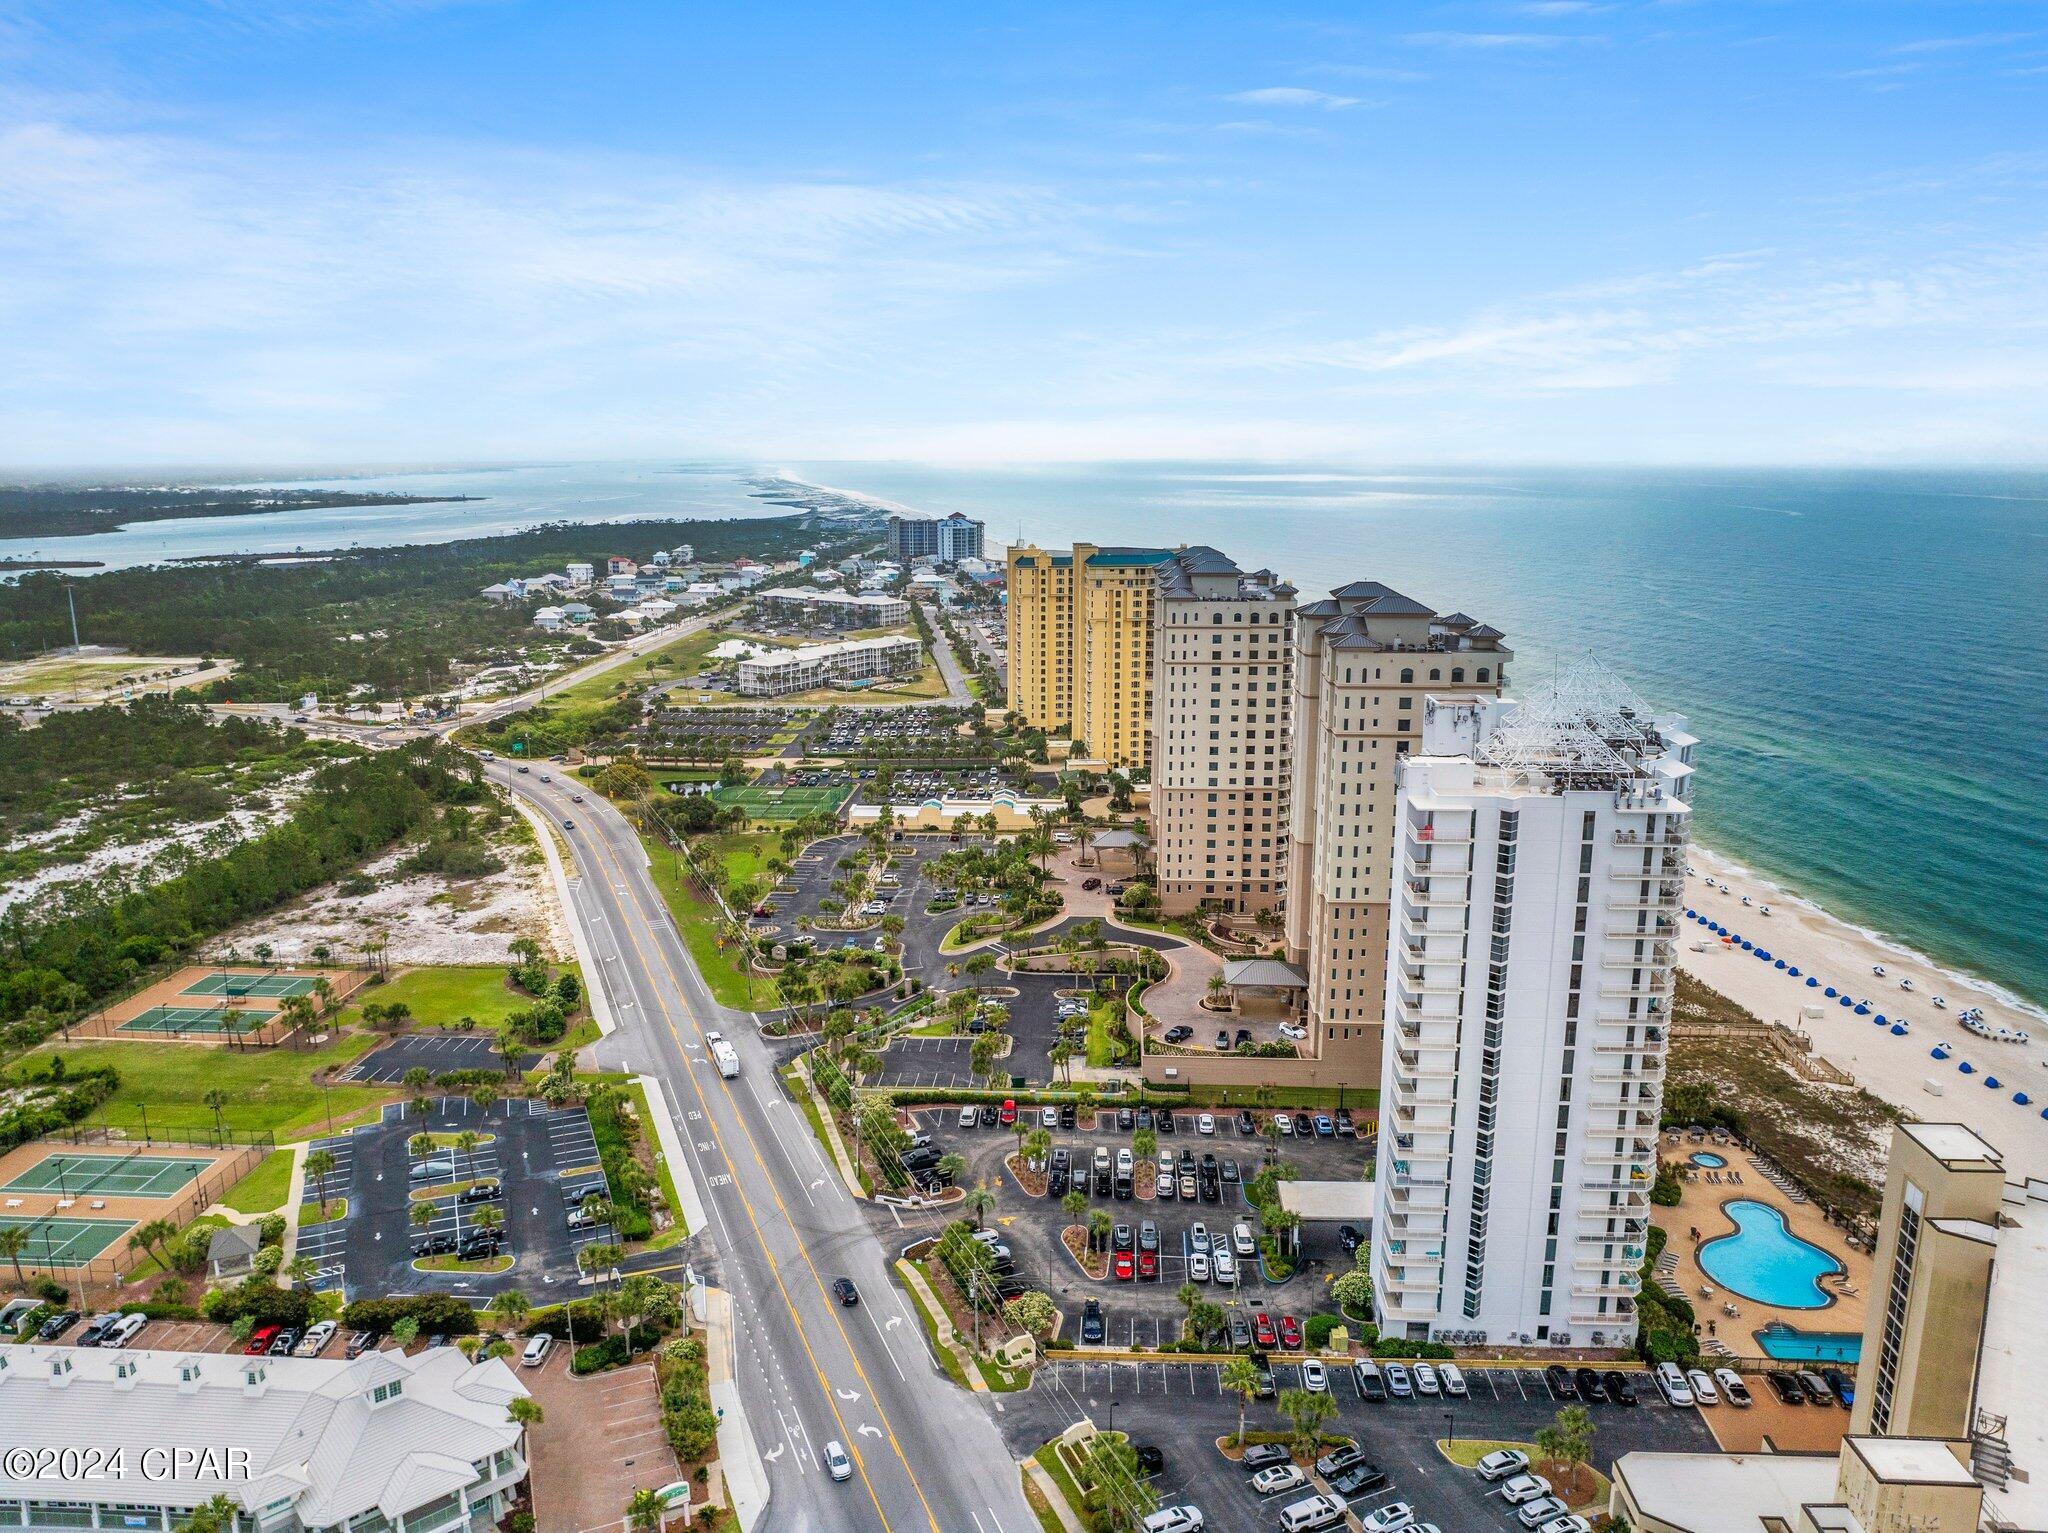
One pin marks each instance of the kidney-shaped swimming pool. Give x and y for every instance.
(1765, 1261)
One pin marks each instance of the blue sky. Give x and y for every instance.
(298, 231)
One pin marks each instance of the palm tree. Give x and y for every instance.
(1242, 1379)
(525, 1410)
(1074, 1205)
(301, 1270)
(318, 1164)
(645, 1510)
(513, 1305)
(416, 1081)
(422, 1215)
(1568, 1440)
(952, 1166)
(1306, 1410)
(466, 1143)
(420, 1146)
(978, 1200)
(218, 1101)
(13, 1241)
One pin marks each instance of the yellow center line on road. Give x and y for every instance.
(850, 1438)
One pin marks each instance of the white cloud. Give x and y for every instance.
(1486, 40)
(1292, 95)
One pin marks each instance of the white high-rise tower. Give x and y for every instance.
(1529, 985)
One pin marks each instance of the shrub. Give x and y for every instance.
(1318, 1329)
(260, 1302)
(431, 1312)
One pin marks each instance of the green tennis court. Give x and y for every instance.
(196, 1019)
(57, 1242)
(783, 803)
(273, 986)
(114, 1176)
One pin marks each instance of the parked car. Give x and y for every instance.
(1394, 1517)
(1123, 1267)
(1372, 1387)
(481, 1192)
(1198, 1267)
(1290, 1333)
(128, 1327)
(1501, 1463)
(1314, 1378)
(1180, 1032)
(357, 1344)
(427, 1170)
(1242, 1242)
(1263, 1329)
(260, 1340)
(1559, 1378)
(1092, 1330)
(968, 1115)
(1815, 1386)
(1359, 1480)
(1786, 1388)
(1453, 1380)
(1263, 1456)
(1314, 1512)
(1843, 1386)
(1278, 1479)
(1534, 1514)
(1619, 1387)
(282, 1343)
(1240, 1332)
(1326, 1126)
(315, 1341)
(1174, 1519)
(537, 1348)
(1702, 1387)
(58, 1324)
(1569, 1523)
(1672, 1386)
(1205, 1123)
(1426, 1381)
(1524, 1488)
(1222, 1265)
(1245, 1126)
(1733, 1389)
(96, 1329)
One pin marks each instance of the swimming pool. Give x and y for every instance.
(1790, 1344)
(1765, 1261)
(1708, 1159)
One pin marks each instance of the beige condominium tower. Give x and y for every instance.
(1222, 648)
(1080, 637)
(1365, 657)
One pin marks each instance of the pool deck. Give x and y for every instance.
(1701, 1209)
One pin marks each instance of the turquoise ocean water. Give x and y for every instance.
(1858, 651)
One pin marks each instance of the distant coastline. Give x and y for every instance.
(71, 511)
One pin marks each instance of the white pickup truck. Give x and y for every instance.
(726, 1055)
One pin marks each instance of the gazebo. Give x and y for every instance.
(1265, 987)
(1122, 844)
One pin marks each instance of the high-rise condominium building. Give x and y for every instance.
(1365, 658)
(1530, 973)
(1222, 650)
(948, 539)
(1080, 639)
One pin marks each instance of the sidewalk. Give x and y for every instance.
(673, 1159)
(593, 976)
(746, 1482)
(946, 1337)
(1049, 1488)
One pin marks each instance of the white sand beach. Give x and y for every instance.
(1897, 1069)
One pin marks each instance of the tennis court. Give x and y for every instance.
(273, 987)
(196, 1019)
(59, 1242)
(116, 1176)
(782, 803)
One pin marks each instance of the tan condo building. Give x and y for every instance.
(1080, 629)
(1364, 659)
(1222, 647)
(1949, 1432)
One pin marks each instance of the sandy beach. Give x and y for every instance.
(1897, 1069)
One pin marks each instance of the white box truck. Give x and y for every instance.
(728, 1058)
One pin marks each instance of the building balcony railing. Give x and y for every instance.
(1645, 838)
(1621, 1285)
(1658, 990)
(1662, 954)
(1637, 1152)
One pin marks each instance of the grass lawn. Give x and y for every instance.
(948, 1359)
(445, 995)
(311, 1213)
(264, 1188)
(698, 918)
(267, 1089)
(489, 1264)
(1048, 1521)
(678, 1230)
(1468, 1451)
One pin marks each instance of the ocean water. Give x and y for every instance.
(1859, 651)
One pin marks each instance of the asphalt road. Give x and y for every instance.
(926, 1454)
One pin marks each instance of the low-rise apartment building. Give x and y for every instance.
(835, 609)
(780, 672)
(383, 1444)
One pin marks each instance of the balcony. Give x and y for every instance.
(1661, 955)
(1636, 1152)
(1640, 838)
(1623, 1285)
(1670, 865)
(1420, 896)
(1657, 991)
(1429, 833)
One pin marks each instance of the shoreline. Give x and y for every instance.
(1899, 1069)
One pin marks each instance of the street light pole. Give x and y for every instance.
(1451, 1425)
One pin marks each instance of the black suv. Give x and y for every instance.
(1091, 1323)
(482, 1192)
(1588, 1383)
(1244, 1123)
(1620, 1390)
(1339, 1460)
(1068, 1115)
(434, 1245)
(1164, 1123)
(1559, 1378)
(57, 1325)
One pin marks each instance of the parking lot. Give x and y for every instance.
(543, 1160)
(898, 732)
(810, 878)
(1146, 1313)
(1182, 1408)
(436, 1053)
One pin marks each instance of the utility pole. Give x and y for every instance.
(71, 600)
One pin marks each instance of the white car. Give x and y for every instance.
(1289, 1030)
(1278, 1479)
(1671, 1384)
(1534, 1514)
(1222, 1264)
(1426, 1381)
(1502, 1462)
(1313, 1377)
(1241, 1241)
(1702, 1387)
(1284, 1122)
(1198, 1267)
(1732, 1386)
(1394, 1517)
(1198, 1238)
(968, 1117)
(1566, 1524)
(316, 1337)
(1174, 1519)
(837, 1464)
(1454, 1380)
(1206, 1123)
(1525, 1487)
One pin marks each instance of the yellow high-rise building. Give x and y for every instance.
(1080, 635)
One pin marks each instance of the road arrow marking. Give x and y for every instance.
(775, 1453)
(847, 1394)
(893, 1322)
(866, 1430)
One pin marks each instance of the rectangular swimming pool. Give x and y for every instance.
(1788, 1344)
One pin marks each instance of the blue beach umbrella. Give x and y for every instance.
(1939, 1052)
(1967, 1068)
(1811, 981)
(1846, 1001)
(1862, 1011)
(1794, 971)
(1991, 1081)
(1898, 1029)
(2022, 1098)
(1779, 964)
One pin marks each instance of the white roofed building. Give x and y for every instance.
(383, 1444)
(816, 665)
(837, 609)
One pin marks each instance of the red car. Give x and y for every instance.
(1262, 1331)
(259, 1342)
(1290, 1334)
(1009, 1112)
(1148, 1266)
(1120, 1269)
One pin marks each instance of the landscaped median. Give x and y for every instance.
(1579, 1485)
